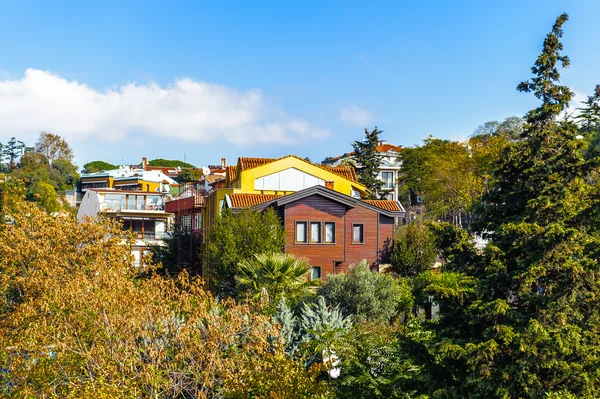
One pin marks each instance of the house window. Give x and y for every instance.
(186, 222)
(388, 179)
(140, 203)
(300, 231)
(197, 221)
(358, 236)
(329, 233)
(315, 232)
(315, 273)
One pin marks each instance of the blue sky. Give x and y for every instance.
(123, 80)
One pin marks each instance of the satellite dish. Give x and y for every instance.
(205, 171)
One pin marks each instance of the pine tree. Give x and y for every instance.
(11, 151)
(531, 327)
(589, 118)
(368, 161)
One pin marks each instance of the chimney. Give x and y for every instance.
(381, 142)
(144, 163)
(223, 163)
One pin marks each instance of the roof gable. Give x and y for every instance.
(347, 173)
(384, 207)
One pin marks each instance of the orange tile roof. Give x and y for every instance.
(251, 163)
(342, 171)
(388, 147)
(248, 200)
(380, 148)
(385, 204)
(231, 174)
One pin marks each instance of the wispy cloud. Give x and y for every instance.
(355, 115)
(188, 110)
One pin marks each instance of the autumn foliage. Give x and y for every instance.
(77, 319)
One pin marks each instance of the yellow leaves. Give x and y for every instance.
(72, 287)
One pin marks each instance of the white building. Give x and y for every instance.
(388, 171)
(141, 212)
(127, 178)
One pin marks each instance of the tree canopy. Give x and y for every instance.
(368, 160)
(77, 319)
(96, 166)
(53, 147)
(520, 319)
(234, 238)
(170, 163)
(414, 249)
(367, 295)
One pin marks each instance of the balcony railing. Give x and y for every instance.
(149, 235)
(114, 207)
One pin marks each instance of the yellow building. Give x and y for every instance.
(253, 179)
(126, 178)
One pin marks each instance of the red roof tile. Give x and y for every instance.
(251, 163)
(385, 204)
(231, 174)
(380, 148)
(343, 171)
(388, 147)
(248, 200)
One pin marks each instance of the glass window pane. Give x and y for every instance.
(131, 202)
(154, 203)
(357, 233)
(140, 203)
(329, 232)
(388, 179)
(149, 229)
(315, 232)
(301, 232)
(315, 273)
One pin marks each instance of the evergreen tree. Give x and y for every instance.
(368, 161)
(235, 237)
(414, 249)
(589, 118)
(366, 295)
(96, 166)
(11, 151)
(530, 328)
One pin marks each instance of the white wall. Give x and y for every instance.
(90, 205)
(290, 179)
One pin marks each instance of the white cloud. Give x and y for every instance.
(187, 110)
(357, 116)
(577, 102)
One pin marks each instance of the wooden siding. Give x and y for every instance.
(377, 230)
(316, 209)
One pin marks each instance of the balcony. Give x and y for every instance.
(148, 235)
(116, 207)
(133, 202)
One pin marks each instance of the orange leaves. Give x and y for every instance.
(79, 320)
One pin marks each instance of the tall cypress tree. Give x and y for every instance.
(368, 161)
(532, 326)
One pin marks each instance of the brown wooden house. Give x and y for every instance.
(331, 229)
